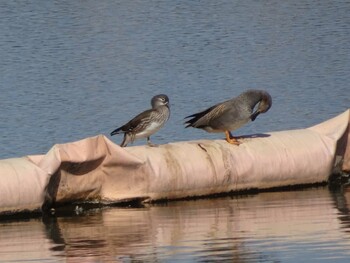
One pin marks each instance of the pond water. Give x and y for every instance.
(310, 225)
(73, 69)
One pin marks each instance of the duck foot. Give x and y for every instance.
(230, 139)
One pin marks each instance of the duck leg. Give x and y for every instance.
(125, 141)
(149, 143)
(230, 139)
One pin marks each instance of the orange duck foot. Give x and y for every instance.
(230, 139)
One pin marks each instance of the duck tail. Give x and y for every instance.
(116, 131)
(191, 122)
(195, 117)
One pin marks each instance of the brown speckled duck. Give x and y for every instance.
(146, 123)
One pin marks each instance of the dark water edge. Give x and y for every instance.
(336, 183)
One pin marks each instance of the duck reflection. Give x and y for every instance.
(341, 197)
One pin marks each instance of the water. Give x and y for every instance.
(73, 69)
(295, 226)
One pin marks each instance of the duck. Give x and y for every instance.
(146, 123)
(231, 114)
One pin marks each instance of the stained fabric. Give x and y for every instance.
(96, 169)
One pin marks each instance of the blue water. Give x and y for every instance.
(73, 69)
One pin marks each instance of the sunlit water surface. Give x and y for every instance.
(310, 225)
(73, 69)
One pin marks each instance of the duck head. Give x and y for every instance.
(264, 105)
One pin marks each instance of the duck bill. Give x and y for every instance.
(254, 115)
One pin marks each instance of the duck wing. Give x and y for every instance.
(137, 124)
(203, 118)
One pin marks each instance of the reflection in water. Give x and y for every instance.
(154, 233)
(267, 227)
(341, 196)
